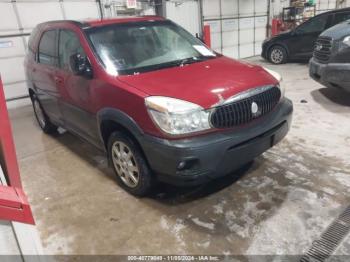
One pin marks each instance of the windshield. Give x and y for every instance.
(145, 46)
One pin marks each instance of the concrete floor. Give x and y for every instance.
(278, 205)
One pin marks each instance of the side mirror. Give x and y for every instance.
(80, 65)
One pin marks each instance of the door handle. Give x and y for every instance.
(58, 80)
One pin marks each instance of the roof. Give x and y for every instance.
(336, 10)
(102, 22)
(109, 21)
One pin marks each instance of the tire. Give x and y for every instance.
(40, 115)
(129, 165)
(278, 55)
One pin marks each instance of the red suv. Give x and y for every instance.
(161, 104)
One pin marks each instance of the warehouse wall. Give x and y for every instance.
(113, 8)
(325, 5)
(344, 3)
(186, 14)
(321, 6)
(18, 18)
(238, 27)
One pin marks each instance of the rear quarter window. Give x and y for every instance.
(47, 52)
(314, 25)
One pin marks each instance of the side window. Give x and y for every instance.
(341, 17)
(314, 25)
(48, 48)
(69, 44)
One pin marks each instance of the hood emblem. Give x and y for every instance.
(255, 109)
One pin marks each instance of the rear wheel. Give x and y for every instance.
(129, 164)
(40, 115)
(278, 55)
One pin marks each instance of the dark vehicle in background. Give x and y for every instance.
(330, 64)
(298, 44)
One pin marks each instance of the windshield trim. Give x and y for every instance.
(149, 68)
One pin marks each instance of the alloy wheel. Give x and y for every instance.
(125, 164)
(276, 56)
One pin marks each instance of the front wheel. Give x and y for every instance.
(278, 55)
(129, 164)
(40, 115)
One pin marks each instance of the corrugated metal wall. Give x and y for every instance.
(325, 5)
(18, 18)
(186, 14)
(321, 6)
(113, 8)
(238, 27)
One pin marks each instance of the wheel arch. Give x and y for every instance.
(278, 44)
(111, 120)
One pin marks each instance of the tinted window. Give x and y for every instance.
(314, 25)
(47, 48)
(338, 18)
(69, 44)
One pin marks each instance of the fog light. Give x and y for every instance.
(181, 165)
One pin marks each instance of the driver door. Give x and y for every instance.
(301, 44)
(76, 103)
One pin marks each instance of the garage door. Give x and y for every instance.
(325, 5)
(238, 27)
(186, 14)
(18, 18)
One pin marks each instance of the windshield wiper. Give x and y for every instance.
(181, 63)
(194, 59)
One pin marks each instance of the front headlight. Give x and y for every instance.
(177, 117)
(279, 78)
(346, 40)
(276, 75)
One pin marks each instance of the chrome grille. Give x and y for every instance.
(246, 109)
(323, 49)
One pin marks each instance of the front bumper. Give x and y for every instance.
(214, 155)
(331, 75)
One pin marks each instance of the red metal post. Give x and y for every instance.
(276, 26)
(206, 35)
(14, 205)
(7, 147)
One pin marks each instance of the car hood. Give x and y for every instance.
(203, 83)
(280, 36)
(338, 31)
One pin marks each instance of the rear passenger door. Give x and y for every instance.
(44, 75)
(302, 42)
(76, 103)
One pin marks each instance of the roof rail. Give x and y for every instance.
(77, 23)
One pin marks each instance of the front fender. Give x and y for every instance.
(121, 118)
